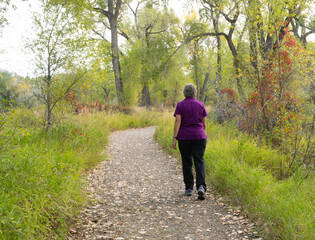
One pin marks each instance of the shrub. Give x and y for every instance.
(41, 176)
(245, 171)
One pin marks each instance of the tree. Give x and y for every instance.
(301, 29)
(4, 6)
(98, 85)
(59, 51)
(230, 11)
(197, 52)
(100, 13)
(8, 92)
(233, 9)
(112, 10)
(267, 24)
(150, 39)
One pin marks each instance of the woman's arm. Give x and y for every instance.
(178, 120)
(204, 122)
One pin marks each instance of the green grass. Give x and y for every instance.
(249, 174)
(41, 186)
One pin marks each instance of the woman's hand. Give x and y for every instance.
(178, 120)
(174, 143)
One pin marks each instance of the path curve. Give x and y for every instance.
(138, 194)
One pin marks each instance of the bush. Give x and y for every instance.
(249, 174)
(26, 118)
(41, 176)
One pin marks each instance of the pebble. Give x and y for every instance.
(139, 194)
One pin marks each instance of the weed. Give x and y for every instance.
(41, 176)
(252, 175)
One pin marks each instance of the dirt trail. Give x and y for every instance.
(139, 194)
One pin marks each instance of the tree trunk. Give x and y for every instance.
(195, 59)
(165, 96)
(106, 93)
(174, 100)
(112, 16)
(219, 57)
(48, 105)
(146, 97)
(218, 78)
(236, 65)
(215, 21)
(204, 88)
(253, 46)
(219, 107)
(48, 120)
(197, 83)
(115, 60)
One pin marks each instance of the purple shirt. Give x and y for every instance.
(191, 111)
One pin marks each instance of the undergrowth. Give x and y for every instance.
(41, 186)
(248, 173)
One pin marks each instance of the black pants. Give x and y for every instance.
(193, 149)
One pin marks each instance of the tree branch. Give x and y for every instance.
(102, 11)
(77, 78)
(282, 32)
(117, 8)
(97, 33)
(226, 16)
(309, 33)
(190, 39)
(303, 25)
(123, 34)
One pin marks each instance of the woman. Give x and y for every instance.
(189, 130)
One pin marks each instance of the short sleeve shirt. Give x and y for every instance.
(192, 112)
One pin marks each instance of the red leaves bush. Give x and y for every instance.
(274, 107)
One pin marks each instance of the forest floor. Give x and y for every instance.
(139, 194)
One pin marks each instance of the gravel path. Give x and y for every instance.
(139, 194)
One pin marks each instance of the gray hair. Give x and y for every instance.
(190, 90)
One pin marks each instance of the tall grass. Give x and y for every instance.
(41, 184)
(248, 173)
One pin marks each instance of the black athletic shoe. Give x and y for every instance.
(188, 192)
(201, 193)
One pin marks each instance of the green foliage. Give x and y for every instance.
(61, 55)
(15, 90)
(247, 172)
(38, 192)
(8, 89)
(4, 6)
(277, 109)
(41, 175)
(144, 68)
(98, 84)
(131, 72)
(25, 118)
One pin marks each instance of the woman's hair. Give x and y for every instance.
(190, 90)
